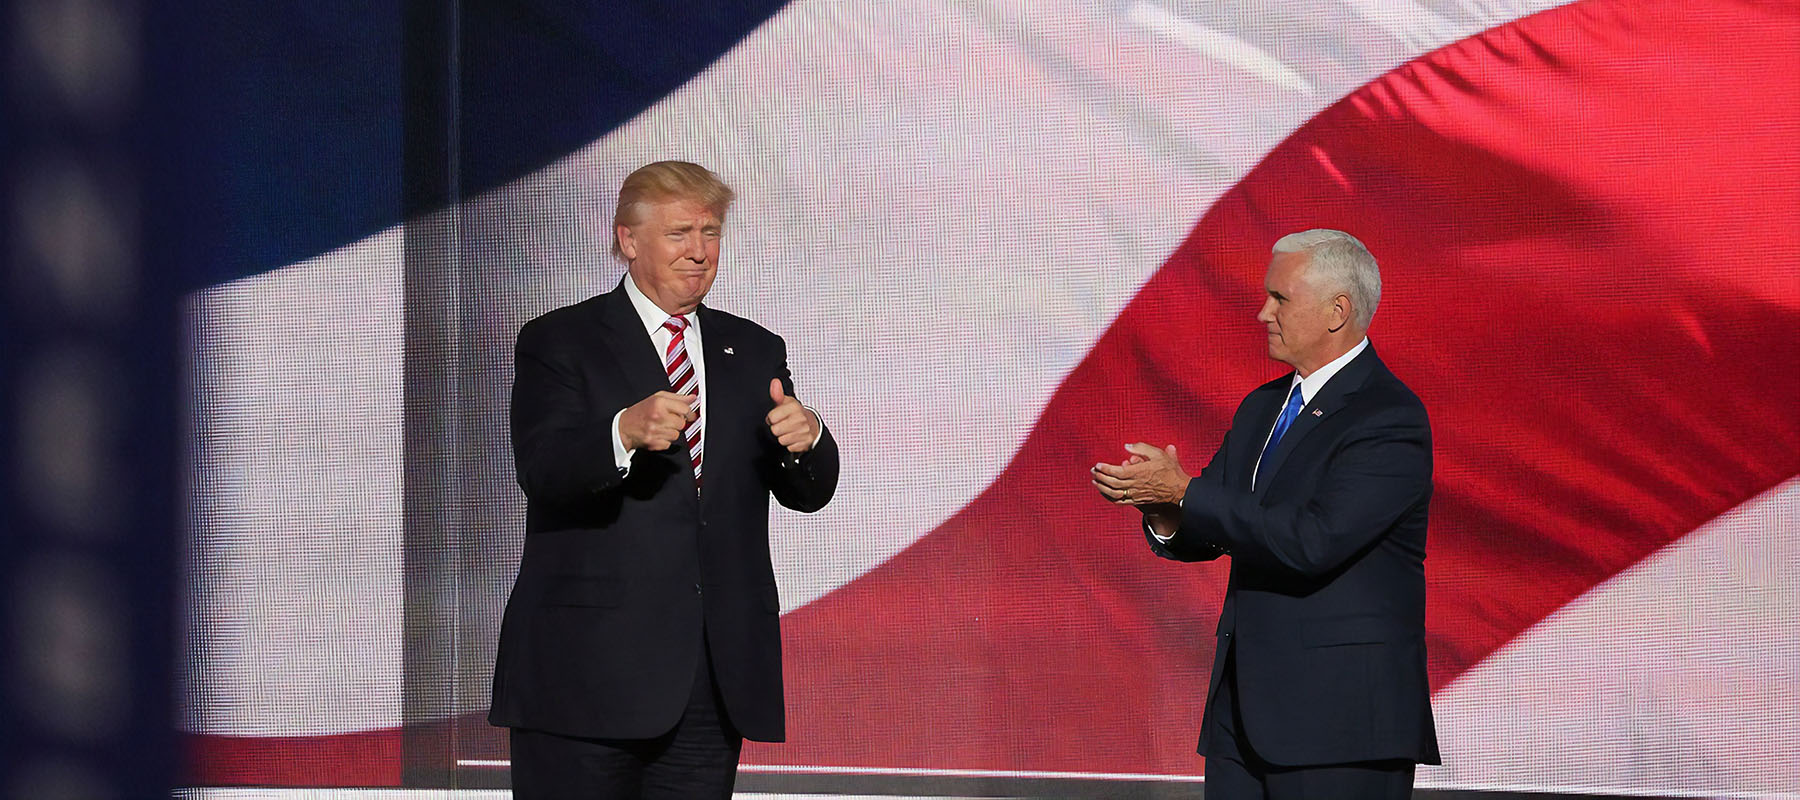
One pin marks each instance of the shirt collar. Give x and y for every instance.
(648, 311)
(1311, 384)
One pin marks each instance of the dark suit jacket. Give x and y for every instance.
(1325, 606)
(602, 633)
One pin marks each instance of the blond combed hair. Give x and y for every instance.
(663, 181)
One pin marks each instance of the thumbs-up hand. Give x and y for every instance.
(794, 427)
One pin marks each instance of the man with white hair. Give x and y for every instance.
(1319, 494)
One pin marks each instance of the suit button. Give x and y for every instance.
(696, 588)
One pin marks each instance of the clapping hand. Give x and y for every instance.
(1150, 476)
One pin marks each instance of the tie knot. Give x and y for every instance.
(676, 324)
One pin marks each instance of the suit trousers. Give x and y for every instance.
(1235, 771)
(697, 759)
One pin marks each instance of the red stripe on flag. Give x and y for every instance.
(364, 758)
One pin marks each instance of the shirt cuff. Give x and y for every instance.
(1160, 537)
(621, 456)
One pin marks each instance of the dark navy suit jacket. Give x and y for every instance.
(1325, 607)
(602, 632)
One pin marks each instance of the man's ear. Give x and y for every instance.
(627, 245)
(1341, 311)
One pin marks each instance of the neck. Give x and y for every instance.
(666, 306)
(1337, 351)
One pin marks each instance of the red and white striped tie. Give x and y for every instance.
(683, 379)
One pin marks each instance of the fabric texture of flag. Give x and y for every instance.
(1005, 238)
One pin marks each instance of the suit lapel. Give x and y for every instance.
(725, 391)
(1249, 447)
(716, 337)
(1330, 400)
(630, 344)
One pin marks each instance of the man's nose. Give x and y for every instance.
(696, 251)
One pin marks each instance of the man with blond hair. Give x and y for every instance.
(641, 643)
(1319, 495)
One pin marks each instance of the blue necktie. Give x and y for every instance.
(1288, 413)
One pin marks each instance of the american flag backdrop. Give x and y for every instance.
(1003, 238)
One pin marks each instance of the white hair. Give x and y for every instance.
(1337, 262)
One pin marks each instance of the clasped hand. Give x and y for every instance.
(1150, 476)
(656, 422)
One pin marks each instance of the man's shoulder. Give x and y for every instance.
(1277, 386)
(1385, 387)
(740, 328)
(1250, 408)
(1385, 400)
(556, 323)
